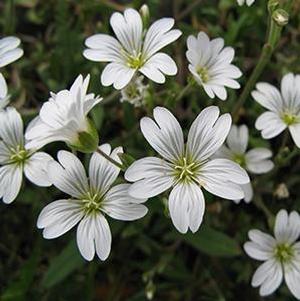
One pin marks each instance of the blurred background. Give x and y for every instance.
(150, 260)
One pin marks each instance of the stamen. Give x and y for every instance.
(91, 203)
(284, 252)
(289, 118)
(203, 72)
(185, 171)
(19, 155)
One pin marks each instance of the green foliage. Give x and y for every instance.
(148, 256)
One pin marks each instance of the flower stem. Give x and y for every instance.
(262, 206)
(183, 91)
(273, 35)
(103, 154)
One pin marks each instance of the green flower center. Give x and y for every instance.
(284, 252)
(92, 203)
(203, 73)
(19, 155)
(134, 61)
(240, 159)
(289, 118)
(186, 171)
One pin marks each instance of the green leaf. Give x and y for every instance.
(213, 242)
(63, 265)
(18, 289)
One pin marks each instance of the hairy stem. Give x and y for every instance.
(103, 154)
(273, 35)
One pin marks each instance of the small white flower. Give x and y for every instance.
(91, 198)
(4, 97)
(15, 158)
(281, 255)
(248, 2)
(255, 160)
(9, 50)
(284, 108)
(64, 116)
(210, 64)
(135, 92)
(186, 168)
(134, 49)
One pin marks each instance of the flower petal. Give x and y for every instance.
(292, 279)
(272, 282)
(119, 205)
(237, 139)
(128, 29)
(117, 74)
(59, 217)
(70, 176)
(11, 128)
(148, 167)
(295, 133)
(207, 133)
(11, 177)
(93, 234)
(103, 173)
(270, 124)
(268, 96)
(256, 251)
(166, 135)
(36, 169)
(103, 48)
(159, 35)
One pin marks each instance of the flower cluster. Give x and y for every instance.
(213, 158)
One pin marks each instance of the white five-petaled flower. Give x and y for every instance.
(64, 116)
(255, 161)
(210, 64)
(186, 168)
(284, 108)
(281, 255)
(15, 158)
(4, 97)
(9, 50)
(135, 49)
(248, 2)
(91, 198)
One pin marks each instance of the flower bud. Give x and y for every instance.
(272, 5)
(88, 140)
(144, 11)
(281, 17)
(282, 191)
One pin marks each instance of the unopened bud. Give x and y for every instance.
(144, 11)
(281, 17)
(282, 192)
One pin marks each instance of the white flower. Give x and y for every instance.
(9, 50)
(133, 50)
(15, 158)
(4, 97)
(90, 199)
(248, 2)
(281, 255)
(186, 168)
(255, 160)
(135, 92)
(211, 66)
(64, 117)
(284, 108)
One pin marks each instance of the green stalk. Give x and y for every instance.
(103, 154)
(273, 36)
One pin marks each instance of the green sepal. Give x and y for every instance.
(87, 141)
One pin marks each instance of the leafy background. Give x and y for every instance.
(149, 258)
